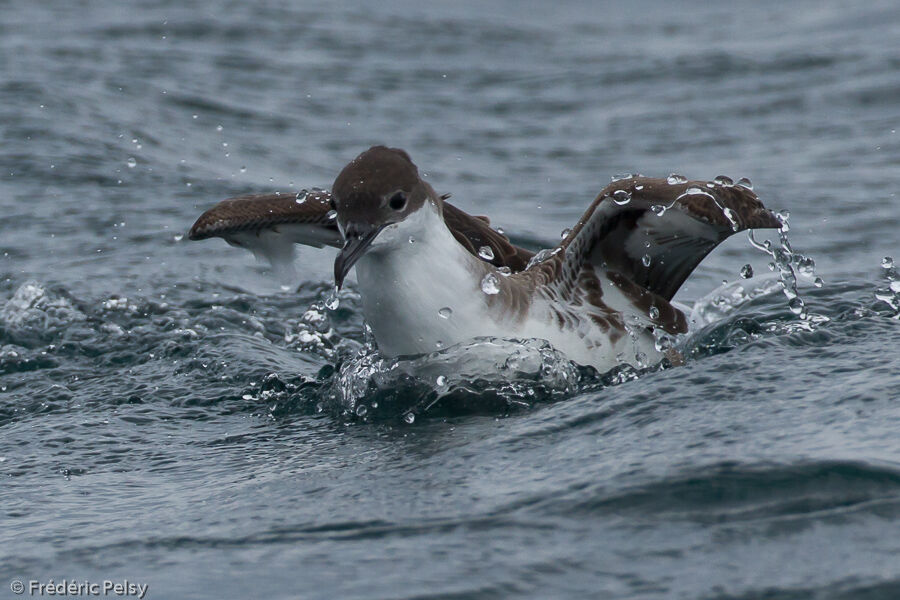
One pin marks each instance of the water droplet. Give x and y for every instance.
(565, 233)
(694, 190)
(412, 240)
(219, 128)
(243, 169)
(658, 209)
(361, 410)
(332, 301)
(131, 162)
(745, 183)
(409, 418)
(179, 237)
(806, 266)
(446, 312)
(645, 260)
(747, 271)
(723, 180)
(486, 253)
(500, 230)
(441, 380)
(620, 177)
(193, 116)
(654, 313)
(796, 305)
(505, 271)
(819, 282)
(540, 257)
(490, 285)
(302, 196)
(641, 359)
(331, 215)
(887, 262)
(675, 178)
(621, 197)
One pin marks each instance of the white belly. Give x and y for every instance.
(419, 301)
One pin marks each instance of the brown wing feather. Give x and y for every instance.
(267, 211)
(694, 217)
(475, 232)
(637, 220)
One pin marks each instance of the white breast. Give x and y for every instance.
(421, 290)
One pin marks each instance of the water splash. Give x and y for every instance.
(541, 256)
(483, 374)
(890, 294)
(33, 305)
(725, 299)
(788, 263)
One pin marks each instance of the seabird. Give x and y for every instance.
(430, 275)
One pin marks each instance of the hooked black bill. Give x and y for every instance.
(355, 245)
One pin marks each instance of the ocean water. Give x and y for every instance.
(174, 414)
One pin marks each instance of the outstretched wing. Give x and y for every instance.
(305, 218)
(270, 224)
(648, 235)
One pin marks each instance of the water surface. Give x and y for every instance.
(172, 415)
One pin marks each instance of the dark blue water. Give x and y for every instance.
(170, 414)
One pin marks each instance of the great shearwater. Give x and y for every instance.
(430, 275)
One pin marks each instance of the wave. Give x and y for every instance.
(746, 492)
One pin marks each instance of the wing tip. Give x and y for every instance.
(765, 219)
(206, 226)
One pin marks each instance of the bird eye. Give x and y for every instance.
(397, 201)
